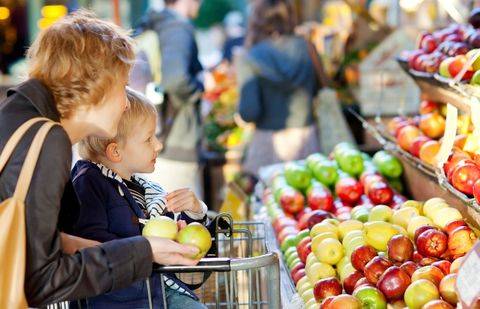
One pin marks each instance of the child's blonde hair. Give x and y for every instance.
(92, 148)
(78, 58)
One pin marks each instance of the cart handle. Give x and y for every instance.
(221, 264)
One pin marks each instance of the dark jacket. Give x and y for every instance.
(51, 275)
(108, 211)
(180, 67)
(277, 81)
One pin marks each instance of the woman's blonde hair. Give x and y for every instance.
(92, 148)
(79, 58)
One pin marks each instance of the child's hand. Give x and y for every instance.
(183, 200)
(181, 224)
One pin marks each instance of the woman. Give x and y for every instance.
(278, 84)
(78, 72)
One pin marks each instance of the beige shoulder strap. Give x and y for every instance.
(15, 139)
(28, 167)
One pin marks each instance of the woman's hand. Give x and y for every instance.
(183, 200)
(71, 244)
(168, 252)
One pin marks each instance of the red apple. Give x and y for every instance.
(361, 256)
(447, 289)
(380, 193)
(456, 66)
(393, 283)
(431, 273)
(304, 248)
(461, 240)
(303, 221)
(427, 106)
(420, 230)
(351, 280)
(407, 135)
(392, 125)
(287, 231)
(432, 243)
(417, 144)
(299, 274)
(301, 213)
(432, 125)
(327, 287)
(443, 265)
(369, 177)
(281, 222)
(426, 261)
(291, 200)
(375, 268)
(317, 216)
(437, 304)
(345, 301)
(414, 56)
(320, 198)
(400, 248)
(429, 43)
(326, 302)
(476, 191)
(409, 267)
(450, 227)
(416, 257)
(464, 175)
(452, 162)
(349, 190)
(361, 282)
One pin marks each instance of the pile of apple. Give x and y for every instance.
(445, 51)
(405, 257)
(420, 135)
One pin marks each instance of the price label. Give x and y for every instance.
(468, 289)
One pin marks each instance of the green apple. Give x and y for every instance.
(311, 259)
(415, 204)
(326, 172)
(313, 159)
(378, 233)
(297, 176)
(346, 271)
(475, 78)
(302, 234)
(319, 271)
(289, 252)
(417, 222)
(294, 262)
(350, 161)
(387, 164)
(446, 215)
(323, 227)
(396, 184)
(370, 297)
(351, 235)
(380, 213)
(361, 213)
(289, 241)
(329, 251)
(163, 227)
(303, 284)
(403, 215)
(344, 261)
(419, 293)
(312, 304)
(307, 295)
(196, 235)
(347, 226)
(291, 257)
(340, 147)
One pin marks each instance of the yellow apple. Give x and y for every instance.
(380, 213)
(329, 251)
(312, 303)
(163, 226)
(403, 215)
(303, 284)
(319, 271)
(346, 271)
(332, 221)
(323, 227)
(415, 204)
(400, 229)
(446, 215)
(349, 225)
(311, 258)
(430, 208)
(378, 233)
(350, 235)
(344, 261)
(307, 295)
(417, 222)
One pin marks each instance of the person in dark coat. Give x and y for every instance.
(277, 87)
(78, 70)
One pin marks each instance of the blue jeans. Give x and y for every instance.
(177, 300)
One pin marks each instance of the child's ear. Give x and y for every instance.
(113, 153)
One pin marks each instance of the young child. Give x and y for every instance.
(113, 200)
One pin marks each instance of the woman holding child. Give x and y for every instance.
(78, 72)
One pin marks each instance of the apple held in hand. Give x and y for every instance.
(327, 287)
(432, 243)
(196, 235)
(370, 297)
(393, 283)
(375, 268)
(400, 248)
(163, 227)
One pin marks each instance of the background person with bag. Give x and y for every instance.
(78, 72)
(278, 84)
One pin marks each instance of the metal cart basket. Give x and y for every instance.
(243, 273)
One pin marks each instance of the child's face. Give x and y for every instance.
(139, 151)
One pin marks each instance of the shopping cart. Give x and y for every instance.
(243, 272)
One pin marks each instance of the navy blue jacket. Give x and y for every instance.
(108, 211)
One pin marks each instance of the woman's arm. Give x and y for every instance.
(72, 244)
